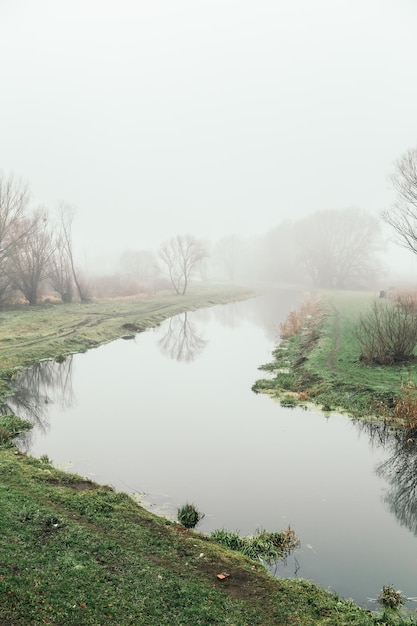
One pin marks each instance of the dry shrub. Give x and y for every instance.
(405, 409)
(387, 333)
(405, 298)
(298, 321)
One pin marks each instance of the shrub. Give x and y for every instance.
(189, 516)
(387, 333)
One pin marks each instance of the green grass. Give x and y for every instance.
(74, 553)
(324, 364)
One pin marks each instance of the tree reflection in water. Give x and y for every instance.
(399, 470)
(181, 340)
(36, 387)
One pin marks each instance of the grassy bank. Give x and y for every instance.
(320, 363)
(75, 553)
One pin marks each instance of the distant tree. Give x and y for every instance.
(402, 217)
(180, 257)
(141, 266)
(61, 276)
(64, 263)
(278, 254)
(227, 255)
(29, 264)
(338, 248)
(14, 201)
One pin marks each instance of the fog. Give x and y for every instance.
(204, 116)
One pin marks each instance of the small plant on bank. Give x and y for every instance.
(391, 598)
(10, 427)
(288, 401)
(264, 546)
(189, 516)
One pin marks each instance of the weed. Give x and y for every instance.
(265, 546)
(288, 401)
(10, 427)
(189, 516)
(390, 598)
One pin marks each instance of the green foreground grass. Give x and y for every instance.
(75, 553)
(321, 364)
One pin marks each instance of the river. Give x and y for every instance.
(170, 416)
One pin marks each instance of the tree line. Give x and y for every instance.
(33, 251)
(334, 248)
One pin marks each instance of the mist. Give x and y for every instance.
(214, 118)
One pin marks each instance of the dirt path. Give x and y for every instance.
(336, 341)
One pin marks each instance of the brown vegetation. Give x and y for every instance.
(298, 321)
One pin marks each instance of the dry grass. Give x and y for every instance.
(405, 298)
(298, 321)
(405, 409)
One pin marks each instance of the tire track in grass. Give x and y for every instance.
(336, 341)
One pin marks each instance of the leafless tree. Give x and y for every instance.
(64, 262)
(61, 277)
(338, 247)
(180, 257)
(14, 201)
(402, 217)
(29, 263)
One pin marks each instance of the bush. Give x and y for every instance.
(387, 333)
(189, 516)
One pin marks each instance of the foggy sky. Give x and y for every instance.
(159, 117)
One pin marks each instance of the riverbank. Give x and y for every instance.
(319, 363)
(72, 552)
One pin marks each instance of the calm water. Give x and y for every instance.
(170, 415)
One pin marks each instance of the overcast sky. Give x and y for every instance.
(160, 117)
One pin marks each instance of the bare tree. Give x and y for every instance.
(338, 247)
(14, 200)
(180, 257)
(29, 263)
(402, 217)
(64, 260)
(61, 276)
